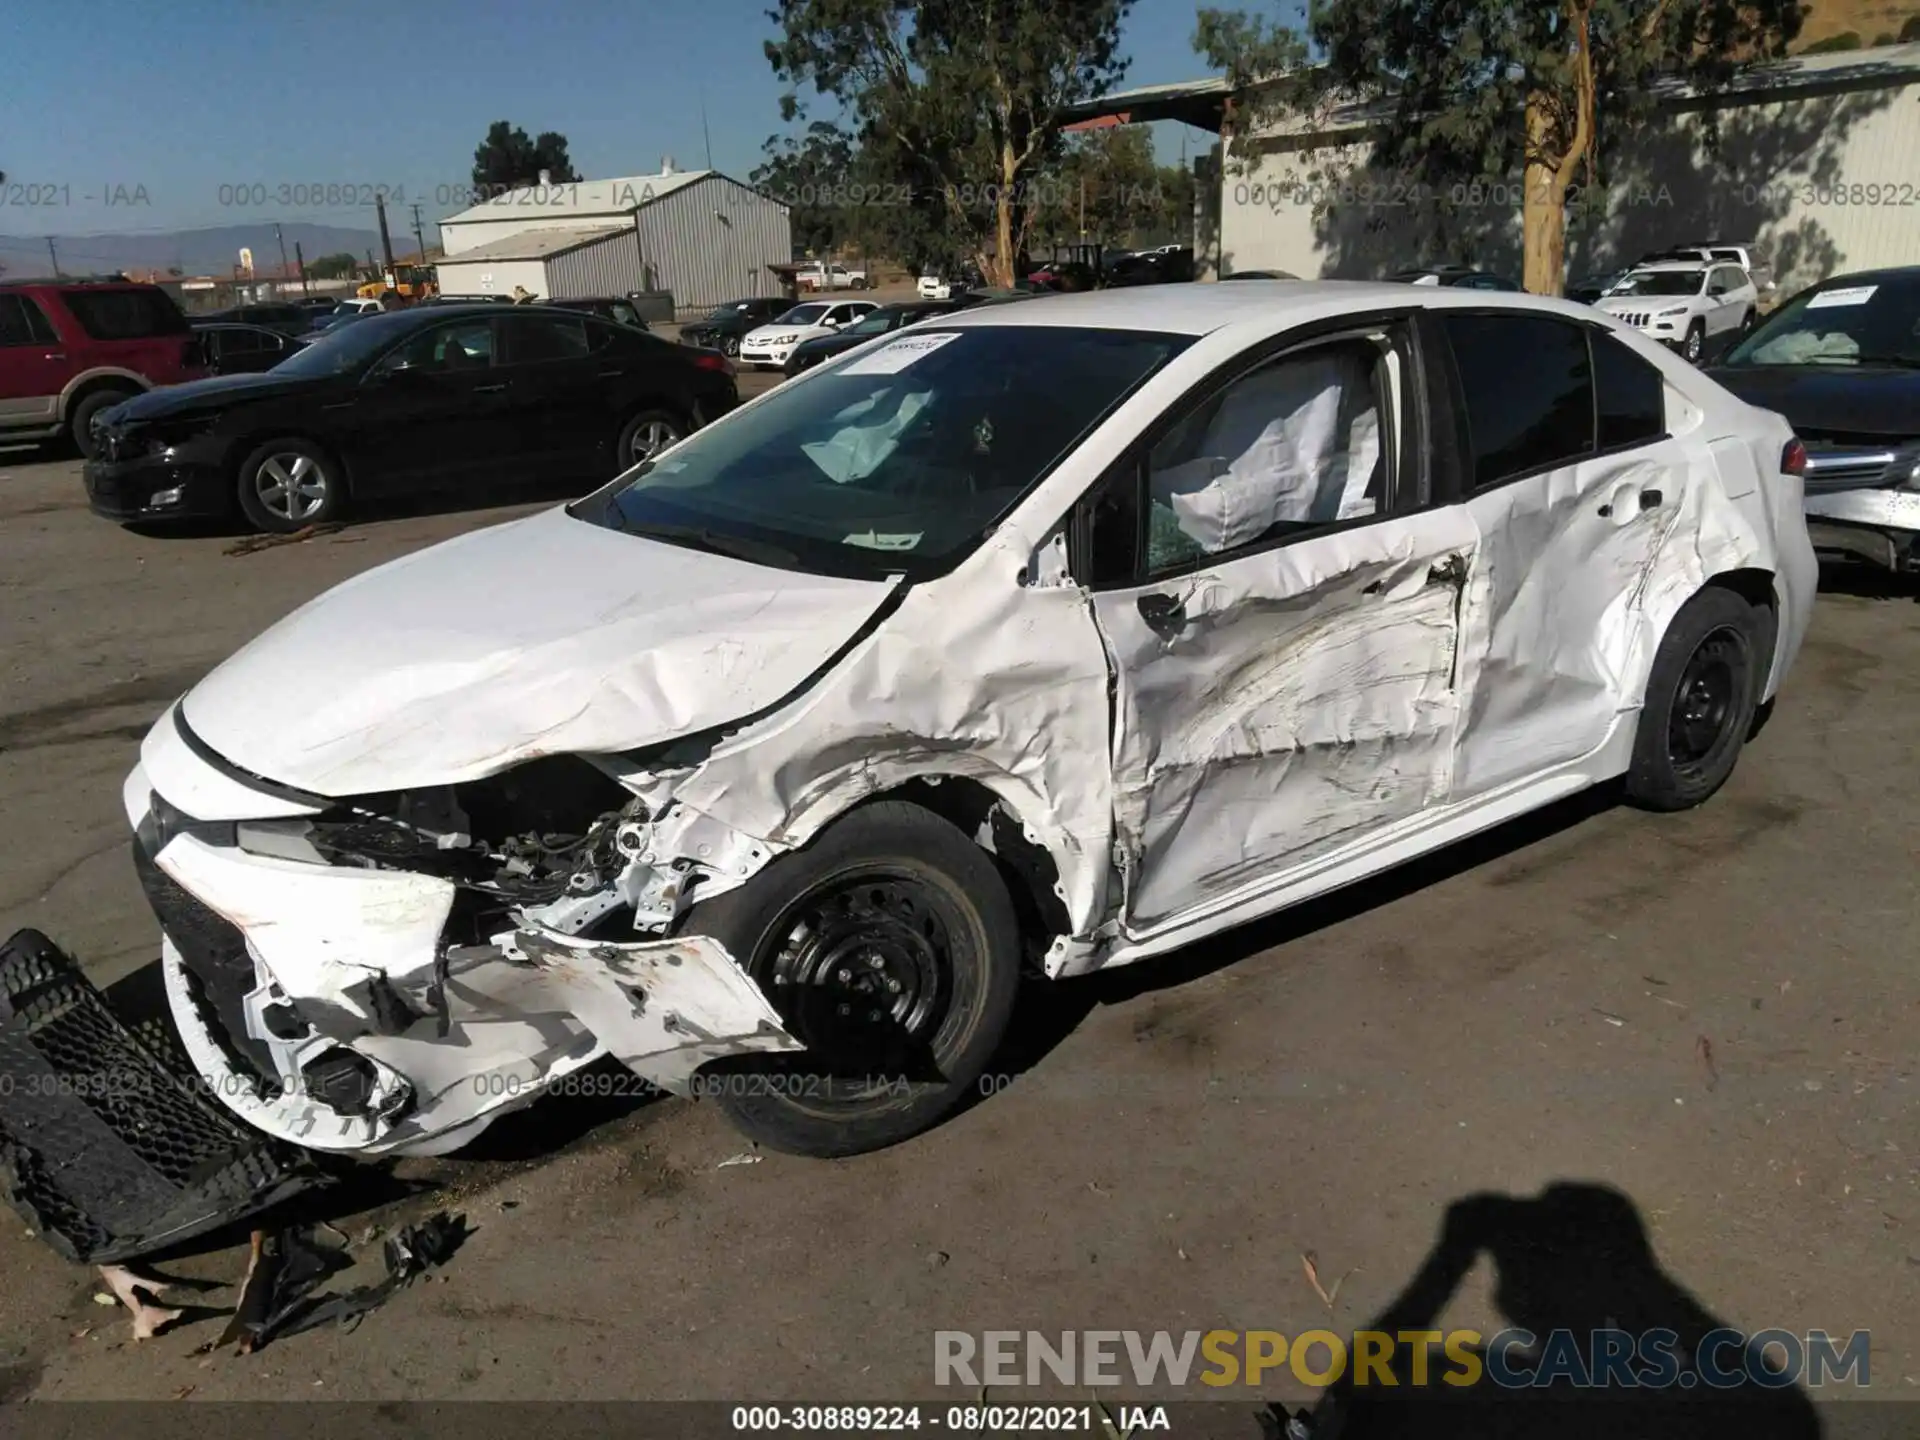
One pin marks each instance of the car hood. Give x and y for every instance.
(1865, 400)
(198, 397)
(543, 636)
(1624, 304)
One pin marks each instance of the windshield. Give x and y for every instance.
(341, 349)
(1843, 324)
(1662, 282)
(803, 315)
(898, 461)
(877, 323)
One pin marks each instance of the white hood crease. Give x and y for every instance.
(540, 637)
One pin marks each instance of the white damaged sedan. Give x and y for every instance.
(1055, 638)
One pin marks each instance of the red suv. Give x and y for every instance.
(69, 349)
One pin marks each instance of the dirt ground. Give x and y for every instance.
(1712, 1014)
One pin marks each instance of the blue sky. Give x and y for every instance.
(178, 116)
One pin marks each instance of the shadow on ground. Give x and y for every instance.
(1576, 1272)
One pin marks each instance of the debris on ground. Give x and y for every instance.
(1703, 1047)
(1609, 1016)
(251, 543)
(148, 1319)
(1310, 1263)
(744, 1158)
(277, 1296)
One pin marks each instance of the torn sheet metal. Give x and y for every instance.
(1304, 692)
(445, 665)
(106, 1150)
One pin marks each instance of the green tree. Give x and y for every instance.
(1491, 88)
(508, 159)
(341, 266)
(957, 101)
(811, 175)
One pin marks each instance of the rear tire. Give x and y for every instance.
(891, 949)
(89, 408)
(1700, 701)
(648, 434)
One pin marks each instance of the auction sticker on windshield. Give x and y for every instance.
(1850, 295)
(892, 359)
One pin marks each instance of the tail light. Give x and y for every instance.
(713, 360)
(1793, 459)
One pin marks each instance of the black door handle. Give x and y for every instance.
(1164, 614)
(1650, 499)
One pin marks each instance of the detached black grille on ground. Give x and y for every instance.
(107, 1150)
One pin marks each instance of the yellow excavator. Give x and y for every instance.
(414, 282)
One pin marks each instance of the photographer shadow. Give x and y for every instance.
(1576, 1258)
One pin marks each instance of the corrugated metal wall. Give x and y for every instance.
(606, 267)
(712, 241)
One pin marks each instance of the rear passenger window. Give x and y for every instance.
(1528, 384)
(22, 323)
(124, 314)
(1630, 397)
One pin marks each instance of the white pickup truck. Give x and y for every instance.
(831, 275)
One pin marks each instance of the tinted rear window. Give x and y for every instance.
(1523, 417)
(1630, 397)
(132, 314)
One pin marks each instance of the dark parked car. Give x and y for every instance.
(70, 350)
(1260, 275)
(1842, 362)
(726, 326)
(1151, 267)
(290, 318)
(883, 321)
(1590, 288)
(465, 397)
(243, 349)
(612, 307)
(1464, 276)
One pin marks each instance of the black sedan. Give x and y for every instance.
(243, 349)
(1842, 362)
(883, 321)
(467, 397)
(725, 327)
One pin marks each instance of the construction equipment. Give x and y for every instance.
(413, 282)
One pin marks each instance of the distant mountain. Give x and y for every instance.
(195, 252)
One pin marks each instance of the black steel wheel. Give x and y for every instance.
(1701, 695)
(890, 949)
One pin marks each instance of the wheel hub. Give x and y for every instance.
(1705, 702)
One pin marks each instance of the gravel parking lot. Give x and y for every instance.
(1711, 1014)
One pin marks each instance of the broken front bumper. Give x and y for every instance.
(334, 1008)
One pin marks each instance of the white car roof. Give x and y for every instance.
(1202, 307)
(1689, 266)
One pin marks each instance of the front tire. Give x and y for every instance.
(1700, 701)
(891, 950)
(288, 485)
(1695, 343)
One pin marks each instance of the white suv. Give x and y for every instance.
(1691, 306)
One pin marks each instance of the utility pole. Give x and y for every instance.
(54, 257)
(386, 240)
(704, 133)
(283, 253)
(419, 238)
(301, 261)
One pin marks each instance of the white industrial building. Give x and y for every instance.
(694, 235)
(1817, 159)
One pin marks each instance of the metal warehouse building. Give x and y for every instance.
(1814, 159)
(695, 235)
